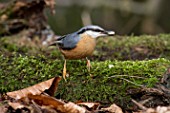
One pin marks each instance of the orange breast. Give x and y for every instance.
(84, 48)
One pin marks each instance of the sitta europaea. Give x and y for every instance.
(81, 43)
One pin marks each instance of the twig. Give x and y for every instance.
(125, 76)
(131, 82)
(146, 100)
(36, 107)
(139, 105)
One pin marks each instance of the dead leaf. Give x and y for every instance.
(149, 110)
(54, 86)
(47, 109)
(35, 89)
(90, 105)
(3, 109)
(35, 108)
(58, 105)
(162, 109)
(113, 109)
(45, 100)
(158, 109)
(16, 105)
(74, 108)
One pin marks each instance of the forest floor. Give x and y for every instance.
(130, 71)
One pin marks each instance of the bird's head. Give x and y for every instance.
(95, 31)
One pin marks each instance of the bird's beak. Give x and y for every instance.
(110, 33)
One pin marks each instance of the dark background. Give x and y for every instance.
(125, 17)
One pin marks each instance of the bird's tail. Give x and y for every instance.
(56, 41)
(52, 41)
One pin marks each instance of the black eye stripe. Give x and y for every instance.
(97, 30)
(82, 31)
(91, 29)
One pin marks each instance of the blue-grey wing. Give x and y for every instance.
(68, 41)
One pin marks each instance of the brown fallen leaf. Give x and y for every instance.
(3, 109)
(58, 105)
(35, 108)
(47, 109)
(51, 91)
(74, 108)
(162, 109)
(113, 109)
(35, 89)
(45, 100)
(16, 105)
(90, 105)
(158, 109)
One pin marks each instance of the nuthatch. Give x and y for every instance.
(81, 43)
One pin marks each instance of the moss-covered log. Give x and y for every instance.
(110, 48)
(108, 81)
(113, 75)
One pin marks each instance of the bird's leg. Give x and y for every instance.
(88, 64)
(64, 70)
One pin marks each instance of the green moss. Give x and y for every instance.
(22, 71)
(109, 80)
(133, 47)
(117, 47)
(111, 84)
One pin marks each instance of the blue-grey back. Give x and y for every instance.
(69, 41)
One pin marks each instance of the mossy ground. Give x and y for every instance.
(118, 64)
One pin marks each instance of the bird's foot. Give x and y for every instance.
(65, 74)
(88, 64)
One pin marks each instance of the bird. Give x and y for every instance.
(80, 44)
